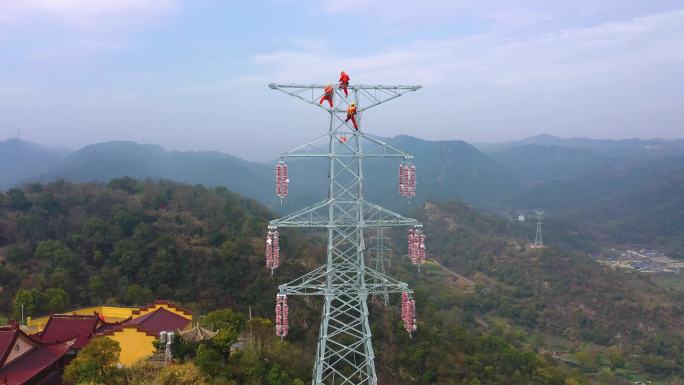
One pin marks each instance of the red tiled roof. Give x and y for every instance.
(63, 327)
(158, 321)
(162, 302)
(110, 327)
(33, 363)
(8, 334)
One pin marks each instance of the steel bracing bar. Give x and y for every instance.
(315, 216)
(314, 282)
(378, 254)
(310, 150)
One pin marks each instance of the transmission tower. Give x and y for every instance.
(345, 353)
(538, 237)
(379, 253)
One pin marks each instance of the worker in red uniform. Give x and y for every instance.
(327, 95)
(351, 115)
(344, 82)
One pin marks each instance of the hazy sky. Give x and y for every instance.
(192, 74)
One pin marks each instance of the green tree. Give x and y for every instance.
(138, 295)
(209, 360)
(97, 289)
(96, 363)
(56, 300)
(228, 323)
(183, 374)
(616, 357)
(125, 184)
(262, 333)
(606, 375)
(31, 300)
(586, 357)
(17, 199)
(58, 255)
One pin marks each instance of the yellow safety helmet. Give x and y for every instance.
(353, 104)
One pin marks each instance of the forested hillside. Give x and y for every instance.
(65, 245)
(632, 202)
(131, 242)
(565, 300)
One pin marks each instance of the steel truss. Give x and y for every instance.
(345, 353)
(379, 253)
(538, 236)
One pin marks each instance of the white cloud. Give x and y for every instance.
(607, 74)
(579, 51)
(83, 12)
(498, 14)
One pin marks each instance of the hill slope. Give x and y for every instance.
(129, 242)
(534, 164)
(627, 202)
(446, 169)
(560, 295)
(105, 161)
(634, 148)
(20, 159)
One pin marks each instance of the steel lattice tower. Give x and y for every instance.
(379, 253)
(345, 353)
(538, 237)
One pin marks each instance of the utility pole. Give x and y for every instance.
(538, 237)
(345, 353)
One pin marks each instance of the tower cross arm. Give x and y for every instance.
(366, 95)
(317, 216)
(314, 283)
(284, 86)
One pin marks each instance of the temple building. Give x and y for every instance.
(136, 335)
(26, 360)
(54, 340)
(110, 313)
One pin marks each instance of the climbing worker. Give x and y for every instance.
(344, 82)
(327, 95)
(351, 115)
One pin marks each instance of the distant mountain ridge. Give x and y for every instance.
(615, 148)
(534, 164)
(105, 161)
(590, 184)
(446, 169)
(638, 202)
(19, 158)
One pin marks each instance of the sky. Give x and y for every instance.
(193, 74)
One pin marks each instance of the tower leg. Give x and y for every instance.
(345, 354)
